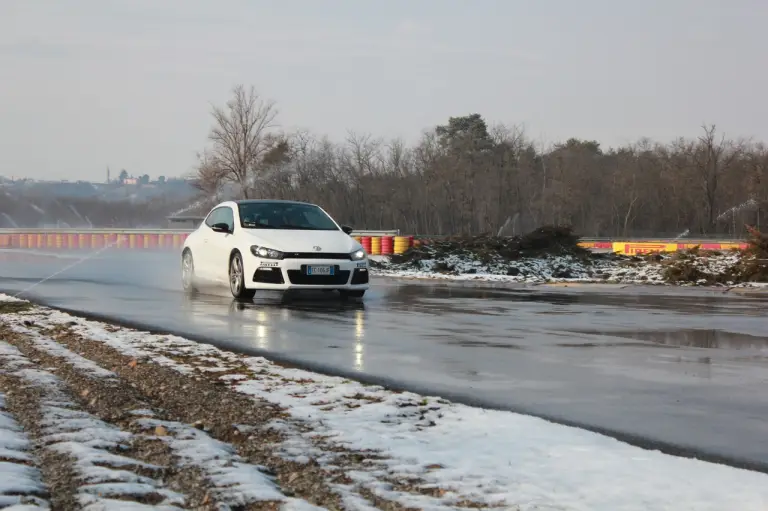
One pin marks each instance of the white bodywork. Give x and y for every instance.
(305, 258)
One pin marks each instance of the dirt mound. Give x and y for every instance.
(753, 266)
(544, 241)
(738, 266)
(692, 266)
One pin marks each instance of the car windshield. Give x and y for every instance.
(284, 215)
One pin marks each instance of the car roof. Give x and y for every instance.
(269, 201)
(236, 203)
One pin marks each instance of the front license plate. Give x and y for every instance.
(319, 270)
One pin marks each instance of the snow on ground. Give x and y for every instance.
(90, 442)
(84, 437)
(57, 350)
(566, 268)
(462, 453)
(18, 477)
(234, 481)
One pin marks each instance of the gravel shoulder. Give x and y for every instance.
(95, 416)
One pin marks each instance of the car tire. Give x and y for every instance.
(188, 272)
(237, 279)
(353, 293)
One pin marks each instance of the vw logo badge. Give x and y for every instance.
(317, 249)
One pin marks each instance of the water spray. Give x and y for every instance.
(76, 263)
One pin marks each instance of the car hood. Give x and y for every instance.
(302, 241)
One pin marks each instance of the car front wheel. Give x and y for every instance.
(237, 279)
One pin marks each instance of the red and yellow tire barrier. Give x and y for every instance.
(375, 245)
(402, 243)
(365, 241)
(387, 245)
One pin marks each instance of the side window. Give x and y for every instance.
(227, 216)
(222, 215)
(214, 217)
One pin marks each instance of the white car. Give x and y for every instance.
(273, 244)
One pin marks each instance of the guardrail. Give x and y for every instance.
(374, 242)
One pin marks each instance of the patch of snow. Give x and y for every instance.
(9, 298)
(89, 441)
(143, 413)
(493, 457)
(55, 349)
(235, 482)
(489, 457)
(19, 480)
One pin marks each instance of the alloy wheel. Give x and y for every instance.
(187, 270)
(236, 275)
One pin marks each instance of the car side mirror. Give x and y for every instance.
(347, 229)
(221, 227)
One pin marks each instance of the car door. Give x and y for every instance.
(204, 259)
(220, 245)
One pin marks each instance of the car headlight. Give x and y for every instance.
(266, 253)
(358, 255)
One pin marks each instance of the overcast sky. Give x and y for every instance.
(87, 84)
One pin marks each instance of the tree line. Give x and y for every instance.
(466, 177)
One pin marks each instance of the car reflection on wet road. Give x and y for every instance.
(680, 367)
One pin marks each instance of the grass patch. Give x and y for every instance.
(15, 307)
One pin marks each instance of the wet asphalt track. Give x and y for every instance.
(684, 370)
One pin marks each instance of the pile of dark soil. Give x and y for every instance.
(542, 242)
(753, 266)
(684, 266)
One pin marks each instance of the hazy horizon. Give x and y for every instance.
(130, 84)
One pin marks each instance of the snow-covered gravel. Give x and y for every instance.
(624, 270)
(413, 451)
(19, 479)
(90, 443)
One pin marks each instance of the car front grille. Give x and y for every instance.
(339, 278)
(316, 255)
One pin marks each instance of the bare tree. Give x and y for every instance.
(241, 139)
(209, 174)
(712, 159)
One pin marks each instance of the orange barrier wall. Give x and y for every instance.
(90, 241)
